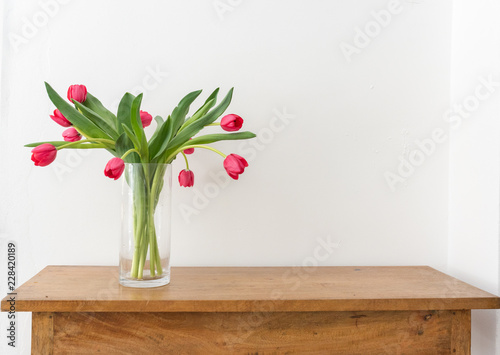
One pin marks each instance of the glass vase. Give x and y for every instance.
(145, 232)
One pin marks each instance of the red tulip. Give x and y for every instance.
(231, 123)
(190, 150)
(77, 93)
(146, 118)
(60, 119)
(235, 165)
(71, 135)
(44, 154)
(186, 178)
(114, 168)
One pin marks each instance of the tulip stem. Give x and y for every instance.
(155, 257)
(171, 156)
(90, 140)
(130, 151)
(213, 124)
(186, 159)
(87, 146)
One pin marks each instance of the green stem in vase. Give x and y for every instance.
(151, 235)
(145, 231)
(149, 223)
(135, 259)
(144, 227)
(137, 269)
(137, 186)
(155, 193)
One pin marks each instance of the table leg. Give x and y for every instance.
(460, 332)
(42, 333)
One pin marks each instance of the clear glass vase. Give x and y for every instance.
(145, 235)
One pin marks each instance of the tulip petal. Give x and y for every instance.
(44, 154)
(146, 118)
(186, 178)
(231, 123)
(114, 168)
(77, 93)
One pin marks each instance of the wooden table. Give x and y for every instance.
(252, 310)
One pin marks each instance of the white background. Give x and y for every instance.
(331, 128)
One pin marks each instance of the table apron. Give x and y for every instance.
(373, 332)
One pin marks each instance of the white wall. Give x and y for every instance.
(350, 123)
(474, 159)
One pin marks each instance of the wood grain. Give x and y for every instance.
(42, 330)
(251, 289)
(461, 332)
(363, 333)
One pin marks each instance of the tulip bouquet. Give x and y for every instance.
(91, 126)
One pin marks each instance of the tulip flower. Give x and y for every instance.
(60, 119)
(44, 154)
(114, 168)
(235, 165)
(186, 178)
(146, 118)
(231, 123)
(77, 93)
(190, 150)
(71, 135)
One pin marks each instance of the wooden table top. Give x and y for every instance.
(251, 289)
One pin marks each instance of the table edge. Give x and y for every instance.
(491, 301)
(291, 305)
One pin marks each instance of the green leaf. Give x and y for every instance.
(124, 144)
(97, 120)
(160, 143)
(135, 119)
(124, 112)
(84, 145)
(179, 113)
(197, 125)
(212, 98)
(54, 143)
(132, 137)
(211, 138)
(200, 113)
(82, 123)
(137, 128)
(95, 105)
(159, 123)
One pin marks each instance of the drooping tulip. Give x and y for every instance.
(71, 135)
(114, 168)
(235, 165)
(77, 93)
(186, 178)
(44, 154)
(231, 122)
(189, 150)
(146, 118)
(60, 119)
